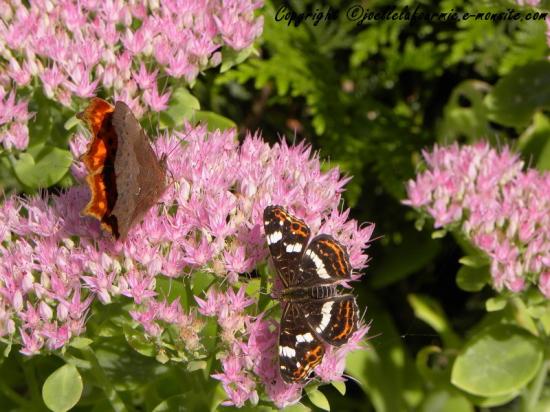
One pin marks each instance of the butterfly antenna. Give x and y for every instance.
(295, 137)
(363, 316)
(352, 378)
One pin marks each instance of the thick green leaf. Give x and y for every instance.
(182, 107)
(340, 387)
(171, 288)
(475, 261)
(71, 122)
(492, 401)
(196, 365)
(44, 167)
(253, 287)
(438, 234)
(497, 361)
(201, 281)
(213, 120)
(543, 405)
(495, 304)
(472, 279)
(177, 403)
(446, 399)
(317, 398)
(518, 95)
(81, 342)
(62, 389)
(137, 340)
(297, 407)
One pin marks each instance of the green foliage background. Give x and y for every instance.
(370, 98)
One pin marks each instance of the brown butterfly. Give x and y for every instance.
(124, 174)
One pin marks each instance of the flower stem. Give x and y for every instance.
(532, 396)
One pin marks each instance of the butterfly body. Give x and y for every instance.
(314, 312)
(302, 294)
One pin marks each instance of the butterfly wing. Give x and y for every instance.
(287, 237)
(333, 319)
(300, 350)
(99, 161)
(140, 175)
(325, 261)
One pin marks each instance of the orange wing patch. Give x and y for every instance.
(99, 160)
(97, 206)
(345, 314)
(95, 113)
(97, 116)
(340, 264)
(313, 358)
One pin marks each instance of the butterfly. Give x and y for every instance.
(125, 176)
(314, 312)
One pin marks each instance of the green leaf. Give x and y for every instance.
(543, 405)
(62, 389)
(510, 105)
(172, 288)
(534, 142)
(80, 342)
(317, 397)
(495, 304)
(71, 122)
(492, 401)
(475, 261)
(438, 234)
(445, 399)
(213, 120)
(297, 407)
(182, 107)
(232, 57)
(42, 166)
(201, 281)
(497, 361)
(137, 340)
(253, 287)
(177, 403)
(209, 334)
(196, 365)
(472, 279)
(340, 387)
(431, 312)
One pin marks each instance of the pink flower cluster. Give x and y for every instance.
(130, 49)
(502, 209)
(54, 263)
(528, 2)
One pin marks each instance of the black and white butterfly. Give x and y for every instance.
(314, 312)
